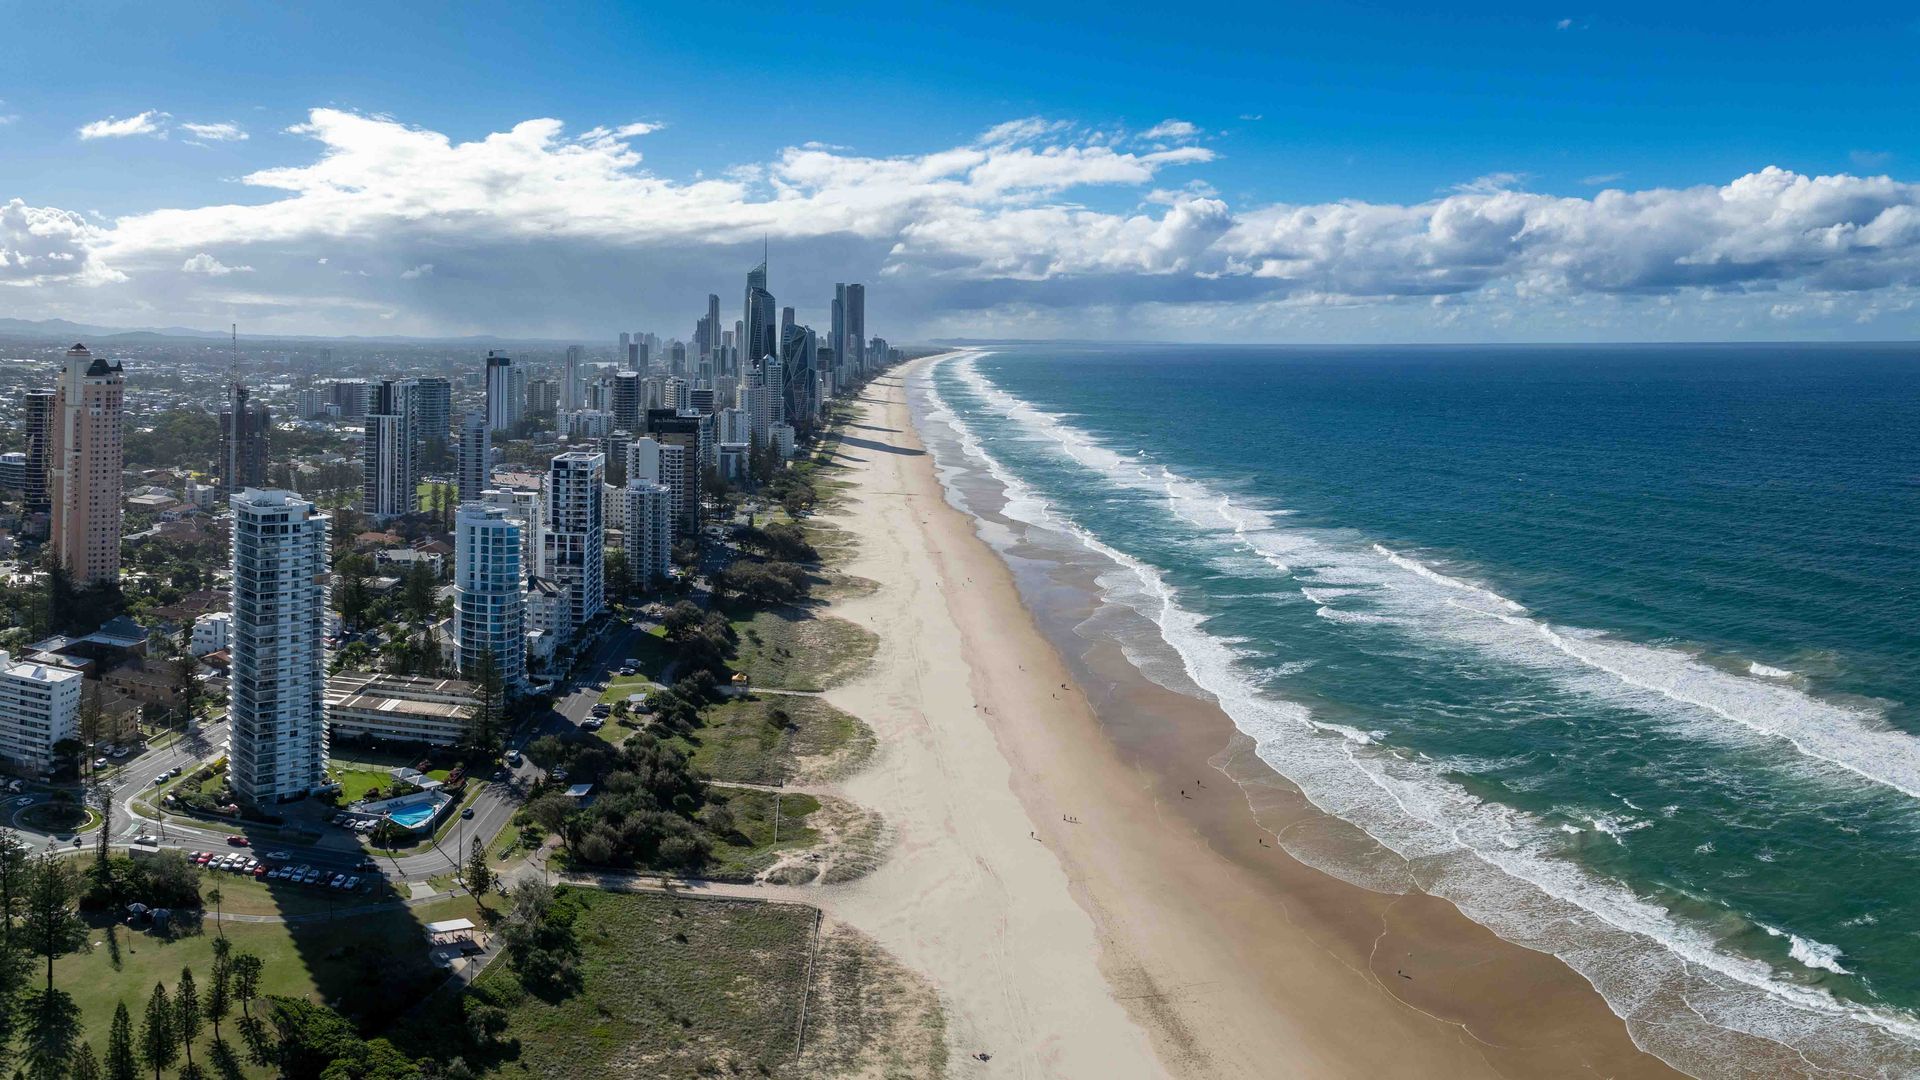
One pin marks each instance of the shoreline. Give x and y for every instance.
(1152, 934)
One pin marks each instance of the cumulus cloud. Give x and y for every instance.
(1175, 130)
(41, 244)
(1033, 216)
(204, 263)
(151, 122)
(218, 132)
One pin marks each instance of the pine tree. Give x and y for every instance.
(50, 925)
(246, 980)
(84, 1065)
(159, 1048)
(479, 874)
(220, 990)
(122, 1064)
(186, 1013)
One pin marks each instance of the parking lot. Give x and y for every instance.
(266, 870)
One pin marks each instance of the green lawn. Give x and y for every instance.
(670, 988)
(370, 964)
(753, 847)
(621, 686)
(790, 648)
(742, 741)
(355, 783)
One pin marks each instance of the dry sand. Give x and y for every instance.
(1156, 936)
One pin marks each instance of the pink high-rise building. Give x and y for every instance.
(84, 468)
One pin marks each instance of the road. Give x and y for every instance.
(493, 808)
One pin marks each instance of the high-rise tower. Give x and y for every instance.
(390, 452)
(84, 468)
(503, 409)
(476, 457)
(489, 607)
(278, 709)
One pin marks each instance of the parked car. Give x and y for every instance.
(99, 763)
(513, 757)
(261, 871)
(276, 855)
(238, 841)
(368, 864)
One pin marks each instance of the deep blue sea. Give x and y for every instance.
(1616, 647)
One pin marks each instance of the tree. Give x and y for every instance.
(53, 1030)
(246, 979)
(489, 692)
(51, 925)
(619, 575)
(214, 896)
(220, 991)
(479, 874)
(121, 1064)
(84, 1065)
(307, 1037)
(416, 597)
(159, 1047)
(186, 1013)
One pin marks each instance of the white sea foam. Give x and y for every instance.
(1501, 867)
(1765, 672)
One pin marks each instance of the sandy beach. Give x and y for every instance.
(1087, 887)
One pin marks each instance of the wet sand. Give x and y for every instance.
(1086, 881)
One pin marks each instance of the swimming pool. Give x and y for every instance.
(413, 816)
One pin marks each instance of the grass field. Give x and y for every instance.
(369, 964)
(753, 847)
(741, 742)
(790, 648)
(621, 686)
(670, 988)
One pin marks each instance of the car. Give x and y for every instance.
(203, 858)
(337, 881)
(368, 864)
(99, 763)
(513, 757)
(310, 877)
(558, 774)
(261, 871)
(238, 841)
(353, 882)
(467, 813)
(277, 855)
(161, 779)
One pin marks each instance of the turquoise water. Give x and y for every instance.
(413, 817)
(1614, 647)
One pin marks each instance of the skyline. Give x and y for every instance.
(1505, 176)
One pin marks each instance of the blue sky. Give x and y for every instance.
(1474, 143)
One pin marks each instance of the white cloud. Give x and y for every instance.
(219, 132)
(1032, 224)
(1251, 116)
(150, 122)
(204, 263)
(1175, 130)
(40, 244)
(1603, 179)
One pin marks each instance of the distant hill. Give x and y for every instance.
(62, 330)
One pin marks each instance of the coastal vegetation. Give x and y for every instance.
(672, 987)
(775, 739)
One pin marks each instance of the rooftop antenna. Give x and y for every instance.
(233, 363)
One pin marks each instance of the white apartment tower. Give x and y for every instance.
(279, 725)
(39, 706)
(503, 405)
(476, 455)
(647, 529)
(489, 608)
(655, 462)
(390, 453)
(571, 551)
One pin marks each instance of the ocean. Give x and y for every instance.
(1616, 648)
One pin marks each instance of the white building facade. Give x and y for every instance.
(646, 528)
(39, 706)
(489, 605)
(572, 549)
(278, 710)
